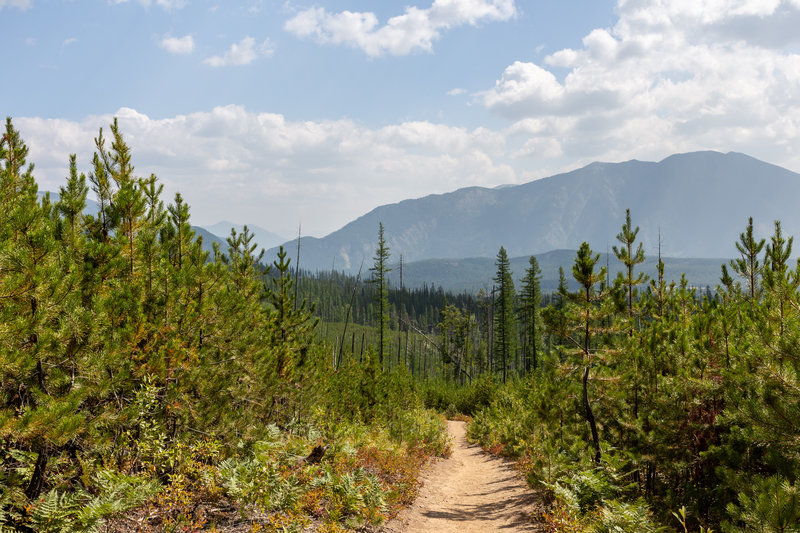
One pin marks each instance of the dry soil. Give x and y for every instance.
(471, 491)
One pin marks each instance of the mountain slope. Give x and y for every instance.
(264, 238)
(92, 208)
(698, 201)
(472, 274)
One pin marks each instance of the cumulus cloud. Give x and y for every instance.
(267, 170)
(178, 45)
(669, 76)
(413, 31)
(242, 53)
(19, 4)
(68, 41)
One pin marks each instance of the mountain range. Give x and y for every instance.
(264, 238)
(92, 208)
(694, 204)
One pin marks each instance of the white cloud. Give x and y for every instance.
(242, 53)
(413, 31)
(668, 77)
(178, 45)
(262, 169)
(68, 41)
(456, 92)
(167, 5)
(19, 4)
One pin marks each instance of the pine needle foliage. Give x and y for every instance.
(140, 373)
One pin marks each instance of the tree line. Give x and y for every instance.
(636, 403)
(657, 406)
(137, 369)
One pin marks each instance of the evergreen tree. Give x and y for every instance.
(380, 269)
(531, 297)
(39, 396)
(748, 265)
(554, 316)
(658, 286)
(629, 258)
(505, 331)
(293, 325)
(781, 284)
(586, 317)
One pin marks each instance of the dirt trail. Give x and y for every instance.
(470, 491)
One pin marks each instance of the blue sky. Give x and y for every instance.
(281, 112)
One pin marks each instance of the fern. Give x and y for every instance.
(119, 493)
(64, 512)
(55, 513)
(285, 495)
(621, 517)
(373, 493)
(348, 489)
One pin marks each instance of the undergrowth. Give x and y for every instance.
(363, 478)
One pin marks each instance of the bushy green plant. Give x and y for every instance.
(585, 490)
(62, 512)
(477, 395)
(623, 517)
(771, 505)
(424, 429)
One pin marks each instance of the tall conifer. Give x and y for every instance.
(629, 257)
(380, 269)
(748, 265)
(505, 332)
(587, 300)
(531, 297)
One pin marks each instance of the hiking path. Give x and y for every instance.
(470, 491)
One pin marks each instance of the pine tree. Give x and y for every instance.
(380, 269)
(587, 300)
(554, 316)
(505, 332)
(658, 287)
(748, 265)
(38, 395)
(780, 283)
(531, 298)
(292, 326)
(629, 258)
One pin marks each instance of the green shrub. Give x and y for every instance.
(621, 517)
(772, 505)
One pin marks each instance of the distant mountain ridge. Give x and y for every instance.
(473, 274)
(699, 202)
(264, 238)
(92, 208)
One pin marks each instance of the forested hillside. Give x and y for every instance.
(473, 274)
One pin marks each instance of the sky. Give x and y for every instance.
(292, 114)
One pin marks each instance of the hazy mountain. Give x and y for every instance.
(472, 274)
(265, 239)
(92, 208)
(699, 202)
(209, 238)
